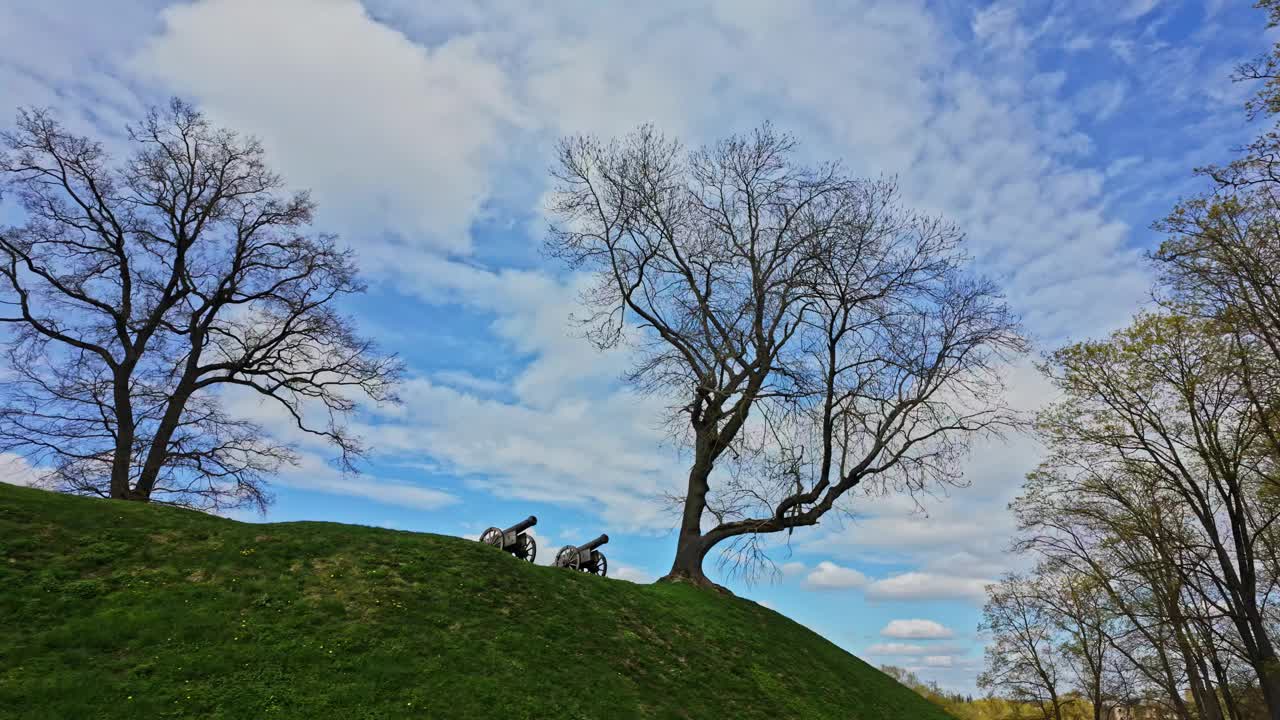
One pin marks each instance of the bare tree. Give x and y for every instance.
(1115, 530)
(137, 293)
(1162, 402)
(1222, 256)
(1079, 610)
(1024, 656)
(816, 336)
(1222, 261)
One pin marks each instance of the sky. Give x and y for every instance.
(1052, 132)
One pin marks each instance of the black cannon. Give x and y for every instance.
(514, 539)
(585, 558)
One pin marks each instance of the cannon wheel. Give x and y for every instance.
(602, 565)
(528, 547)
(492, 536)
(567, 557)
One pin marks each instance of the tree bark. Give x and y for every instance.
(691, 545)
(158, 454)
(122, 459)
(1268, 671)
(1202, 693)
(691, 549)
(159, 451)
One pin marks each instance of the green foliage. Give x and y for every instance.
(989, 708)
(125, 610)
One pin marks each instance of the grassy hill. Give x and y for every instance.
(121, 610)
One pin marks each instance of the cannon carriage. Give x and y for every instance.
(584, 558)
(514, 539)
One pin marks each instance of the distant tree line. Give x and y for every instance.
(1152, 518)
(967, 707)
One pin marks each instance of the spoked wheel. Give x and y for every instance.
(528, 548)
(567, 557)
(492, 536)
(602, 565)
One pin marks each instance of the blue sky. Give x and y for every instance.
(1053, 132)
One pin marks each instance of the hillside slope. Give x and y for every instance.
(121, 610)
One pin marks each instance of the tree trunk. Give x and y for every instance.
(1269, 678)
(1219, 683)
(122, 459)
(1057, 704)
(691, 549)
(1262, 657)
(1202, 691)
(691, 545)
(158, 453)
(159, 450)
(1202, 694)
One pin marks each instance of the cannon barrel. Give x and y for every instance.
(592, 545)
(523, 525)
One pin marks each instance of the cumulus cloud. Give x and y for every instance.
(568, 452)
(792, 568)
(916, 630)
(830, 576)
(417, 124)
(928, 586)
(389, 133)
(15, 470)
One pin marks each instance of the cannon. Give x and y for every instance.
(585, 558)
(514, 539)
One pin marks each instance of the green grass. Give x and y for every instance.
(123, 610)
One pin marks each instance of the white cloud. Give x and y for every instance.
(928, 586)
(997, 26)
(56, 50)
(572, 451)
(830, 576)
(896, 649)
(398, 105)
(916, 630)
(463, 380)
(938, 661)
(630, 574)
(1103, 99)
(792, 568)
(312, 473)
(1138, 8)
(390, 134)
(1124, 48)
(1076, 43)
(15, 470)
